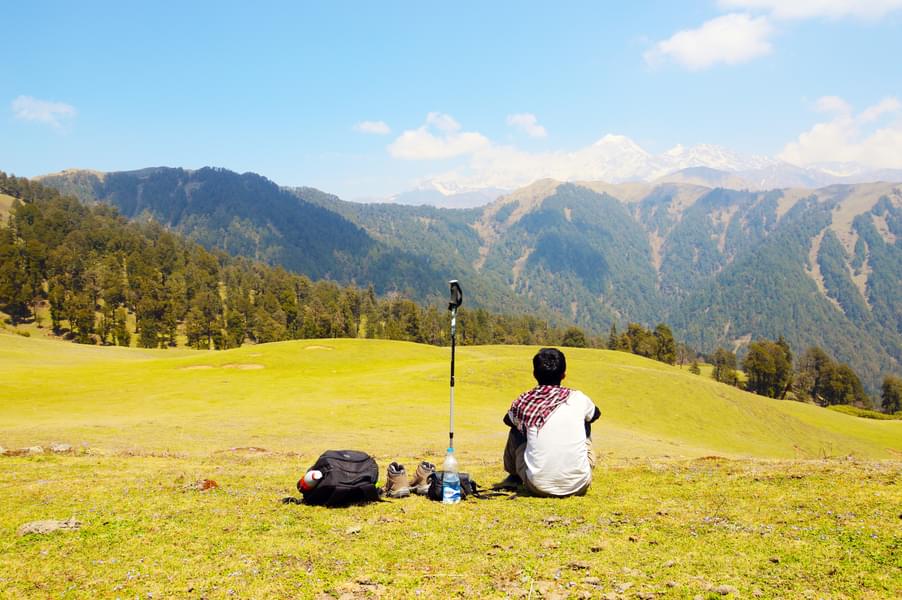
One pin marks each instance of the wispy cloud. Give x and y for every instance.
(871, 138)
(26, 108)
(373, 127)
(528, 124)
(730, 39)
(832, 104)
(808, 9)
(439, 137)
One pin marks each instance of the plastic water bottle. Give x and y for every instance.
(450, 479)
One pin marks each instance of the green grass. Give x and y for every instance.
(865, 413)
(803, 502)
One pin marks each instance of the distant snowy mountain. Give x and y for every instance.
(443, 197)
(619, 159)
(713, 157)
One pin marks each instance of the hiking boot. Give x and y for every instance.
(511, 482)
(396, 485)
(420, 482)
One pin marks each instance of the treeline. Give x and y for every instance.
(106, 280)
(815, 376)
(658, 344)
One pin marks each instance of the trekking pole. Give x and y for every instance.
(457, 298)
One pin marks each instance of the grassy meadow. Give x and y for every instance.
(701, 490)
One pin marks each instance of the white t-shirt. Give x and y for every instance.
(556, 456)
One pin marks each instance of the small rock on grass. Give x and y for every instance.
(724, 590)
(645, 595)
(354, 529)
(2, 451)
(48, 526)
(60, 448)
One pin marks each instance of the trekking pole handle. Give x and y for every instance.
(457, 295)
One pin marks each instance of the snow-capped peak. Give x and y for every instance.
(613, 142)
(714, 157)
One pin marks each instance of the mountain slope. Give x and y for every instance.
(246, 214)
(723, 266)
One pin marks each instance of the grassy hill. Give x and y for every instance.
(663, 518)
(390, 397)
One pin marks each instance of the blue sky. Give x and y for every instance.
(366, 99)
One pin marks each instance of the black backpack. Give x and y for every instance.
(349, 477)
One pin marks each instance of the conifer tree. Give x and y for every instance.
(891, 394)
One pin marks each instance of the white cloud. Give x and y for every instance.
(872, 113)
(442, 122)
(374, 127)
(807, 9)
(832, 104)
(440, 137)
(26, 108)
(730, 39)
(869, 138)
(528, 124)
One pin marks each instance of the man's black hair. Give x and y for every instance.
(549, 366)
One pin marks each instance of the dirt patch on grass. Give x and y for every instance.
(315, 347)
(48, 526)
(239, 366)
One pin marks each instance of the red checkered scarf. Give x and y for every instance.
(534, 407)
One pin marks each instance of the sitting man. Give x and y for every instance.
(548, 448)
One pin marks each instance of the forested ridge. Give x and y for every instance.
(248, 215)
(105, 279)
(724, 267)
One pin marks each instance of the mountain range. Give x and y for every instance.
(618, 159)
(722, 266)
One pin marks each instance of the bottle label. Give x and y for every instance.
(451, 493)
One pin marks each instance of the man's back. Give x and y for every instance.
(556, 458)
(547, 447)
